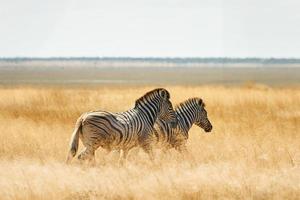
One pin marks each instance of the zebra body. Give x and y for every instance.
(189, 112)
(122, 131)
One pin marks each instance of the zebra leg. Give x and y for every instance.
(123, 157)
(146, 144)
(81, 156)
(186, 155)
(164, 153)
(92, 159)
(88, 154)
(183, 151)
(148, 149)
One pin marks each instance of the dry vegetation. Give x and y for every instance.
(252, 153)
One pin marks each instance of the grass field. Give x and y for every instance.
(253, 151)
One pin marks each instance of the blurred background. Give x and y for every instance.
(117, 42)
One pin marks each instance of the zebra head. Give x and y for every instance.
(157, 105)
(201, 116)
(167, 112)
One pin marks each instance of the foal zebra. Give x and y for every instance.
(188, 112)
(122, 131)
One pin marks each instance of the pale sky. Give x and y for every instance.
(150, 28)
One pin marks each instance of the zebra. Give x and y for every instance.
(189, 112)
(122, 131)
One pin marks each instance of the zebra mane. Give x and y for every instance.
(194, 100)
(154, 92)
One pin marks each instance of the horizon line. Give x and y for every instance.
(143, 57)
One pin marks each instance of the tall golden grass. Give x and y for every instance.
(253, 151)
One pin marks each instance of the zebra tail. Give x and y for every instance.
(74, 140)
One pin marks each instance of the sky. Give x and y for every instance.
(150, 28)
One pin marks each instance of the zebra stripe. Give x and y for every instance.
(122, 131)
(189, 112)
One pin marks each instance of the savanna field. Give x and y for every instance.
(253, 151)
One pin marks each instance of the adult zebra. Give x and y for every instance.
(189, 112)
(122, 131)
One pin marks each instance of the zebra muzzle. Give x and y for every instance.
(208, 129)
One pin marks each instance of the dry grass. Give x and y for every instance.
(252, 153)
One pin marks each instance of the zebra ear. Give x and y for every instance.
(200, 102)
(165, 94)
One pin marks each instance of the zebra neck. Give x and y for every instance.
(148, 114)
(186, 118)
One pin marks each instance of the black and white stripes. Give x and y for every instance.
(189, 112)
(122, 131)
